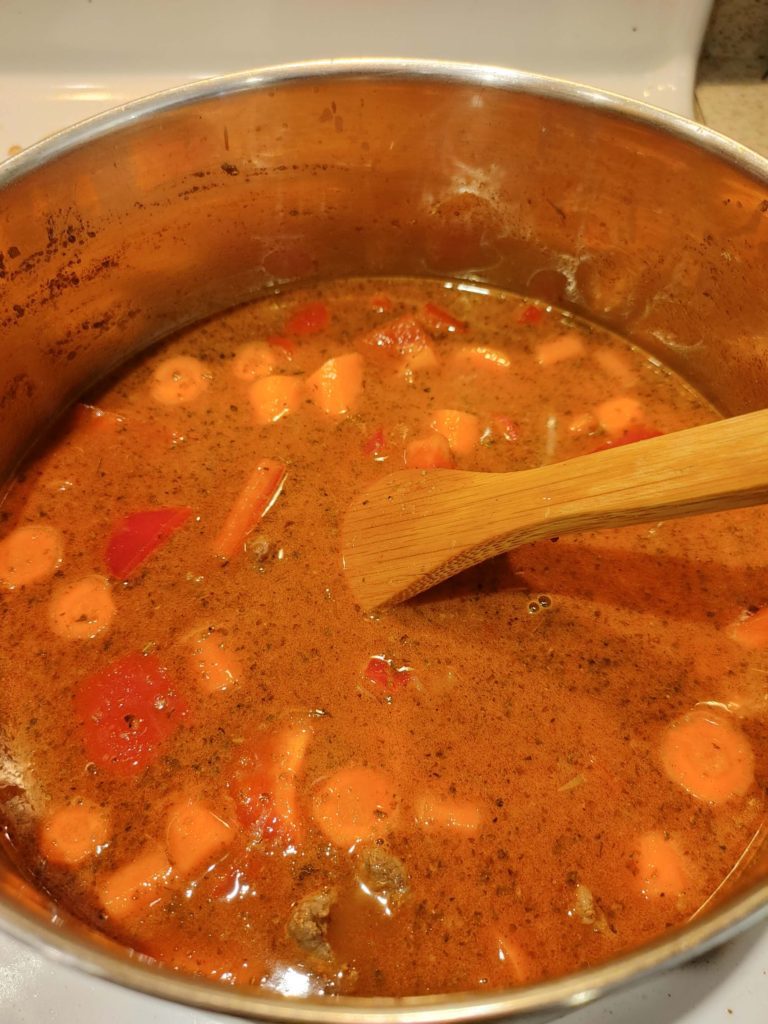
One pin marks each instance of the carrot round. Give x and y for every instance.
(71, 834)
(214, 666)
(617, 415)
(354, 804)
(256, 359)
(460, 815)
(29, 554)
(83, 609)
(751, 632)
(179, 380)
(661, 866)
(195, 837)
(708, 756)
(516, 962)
(261, 491)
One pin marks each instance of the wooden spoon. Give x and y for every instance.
(414, 528)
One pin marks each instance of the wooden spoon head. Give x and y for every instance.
(397, 538)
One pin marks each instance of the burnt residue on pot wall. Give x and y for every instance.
(146, 227)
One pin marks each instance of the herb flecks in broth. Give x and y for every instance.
(220, 762)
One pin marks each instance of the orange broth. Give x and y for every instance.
(215, 758)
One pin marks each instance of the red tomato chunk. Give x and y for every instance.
(128, 710)
(308, 319)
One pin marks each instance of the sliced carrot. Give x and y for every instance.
(92, 420)
(353, 805)
(583, 423)
(429, 452)
(274, 397)
(434, 812)
(661, 867)
(215, 667)
(336, 386)
(133, 887)
(567, 346)
(254, 360)
(709, 756)
(179, 380)
(30, 554)
(71, 834)
(83, 609)
(751, 632)
(261, 491)
(482, 357)
(460, 429)
(617, 415)
(516, 962)
(195, 837)
(615, 365)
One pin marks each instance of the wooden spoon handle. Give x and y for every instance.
(411, 530)
(717, 466)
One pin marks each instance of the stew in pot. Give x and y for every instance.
(215, 758)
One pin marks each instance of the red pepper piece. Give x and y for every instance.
(135, 537)
(505, 427)
(308, 319)
(375, 444)
(383, 676)
(531, 315)
(629, 437)
(263, 786)
(128, 710)
(283, 346)
(437, 319)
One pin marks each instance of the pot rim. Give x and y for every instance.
(486, 75)
(560, 994)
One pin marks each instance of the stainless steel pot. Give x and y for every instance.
(156, 214)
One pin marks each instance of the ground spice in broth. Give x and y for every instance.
(213, 756)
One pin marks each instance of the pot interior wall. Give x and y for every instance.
(168, 218)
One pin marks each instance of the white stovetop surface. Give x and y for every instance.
(63, 60)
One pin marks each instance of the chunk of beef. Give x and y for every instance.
(382, 874)
(308, 924)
